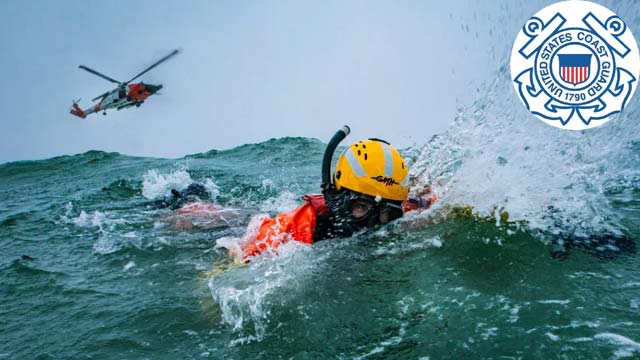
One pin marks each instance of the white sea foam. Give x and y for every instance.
(581, 339)
(84, 219)
(285, 201)
(559, 302)
(110, 230)
(375, 350)
(400, 248)
(514, 314)
(631, 285)
(552, 336)
(489, 332)
(627, 348)
(106, 243)
(157, 186)
(212, 187)
(587, 274)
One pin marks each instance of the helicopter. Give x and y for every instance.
(120, 97)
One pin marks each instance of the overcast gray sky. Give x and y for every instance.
(248, 71)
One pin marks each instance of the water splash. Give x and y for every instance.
(246, 295)
(285, 201)
(496, 155)
(157, 186)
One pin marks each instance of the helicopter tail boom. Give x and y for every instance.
(77, 111)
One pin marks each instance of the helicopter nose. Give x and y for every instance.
(153, 88)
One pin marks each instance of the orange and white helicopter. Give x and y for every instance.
(120, 97)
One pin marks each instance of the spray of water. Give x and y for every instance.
(497, 155)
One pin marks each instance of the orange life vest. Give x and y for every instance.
(299, 225)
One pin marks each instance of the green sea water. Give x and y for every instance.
(91, 268)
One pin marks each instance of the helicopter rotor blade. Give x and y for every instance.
(173, 53)
(100, 96)
(98, 74)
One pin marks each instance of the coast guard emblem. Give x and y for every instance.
(574, 64)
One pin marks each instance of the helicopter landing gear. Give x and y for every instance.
(138, 105)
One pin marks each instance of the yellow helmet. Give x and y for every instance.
(375, 168)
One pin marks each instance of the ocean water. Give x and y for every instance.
(90, 267)
(529, 253)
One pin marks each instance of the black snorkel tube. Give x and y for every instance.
(327, 184)
(337, 224)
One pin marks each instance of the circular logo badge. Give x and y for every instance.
(574, 64)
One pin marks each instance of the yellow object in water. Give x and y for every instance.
(466, 212)
(222, 267)
(375, 168)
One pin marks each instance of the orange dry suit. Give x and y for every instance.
(306, 224)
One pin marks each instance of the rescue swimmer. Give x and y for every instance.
(370, 184)
(194, 210)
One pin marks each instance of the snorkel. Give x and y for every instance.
(327, 184)
(336, 201)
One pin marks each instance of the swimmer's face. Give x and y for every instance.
(385, 212)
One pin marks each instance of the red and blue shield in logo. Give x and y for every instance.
(574, 68)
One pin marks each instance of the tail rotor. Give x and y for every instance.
(76, 110)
